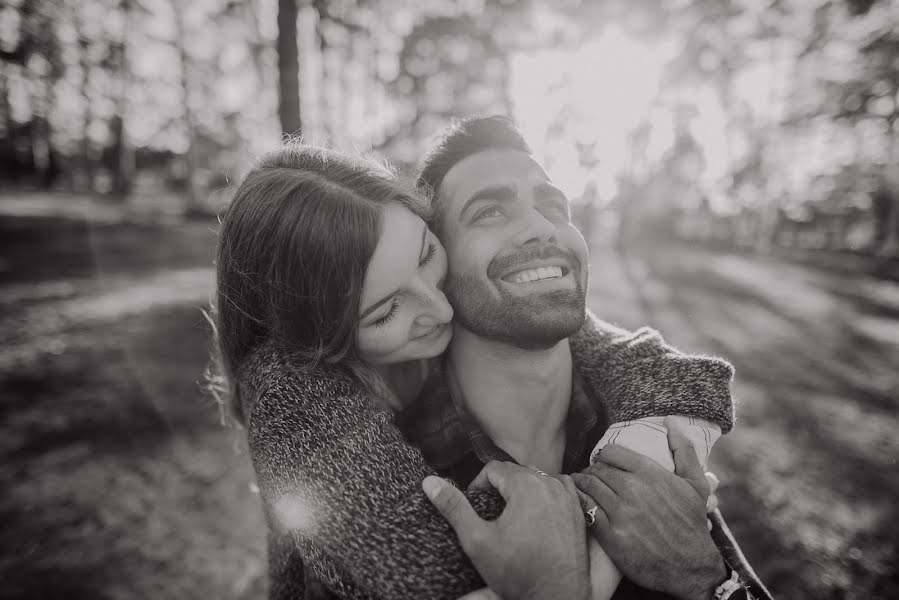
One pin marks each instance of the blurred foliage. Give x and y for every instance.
(122, 96)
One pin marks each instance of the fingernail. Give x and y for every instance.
(432, 485)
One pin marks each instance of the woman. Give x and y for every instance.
(328, 289)
(328, 306)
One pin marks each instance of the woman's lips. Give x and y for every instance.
(432, 331)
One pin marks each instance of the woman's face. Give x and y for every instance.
(404, 314)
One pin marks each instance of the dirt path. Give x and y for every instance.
(809, 476)
(119, 481)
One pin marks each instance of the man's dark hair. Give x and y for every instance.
(461, 140)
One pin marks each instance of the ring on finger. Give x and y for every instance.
(590, 516)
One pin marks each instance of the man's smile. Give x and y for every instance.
(536, 274)
(539, 280)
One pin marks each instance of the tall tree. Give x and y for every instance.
(84, 45)
(321, 26)
(38, 56)
(288, 68)
(122, 152)
(188, 117)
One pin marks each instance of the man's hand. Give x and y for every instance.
(652, 523)
(537, 548)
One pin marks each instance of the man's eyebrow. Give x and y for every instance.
(496, 192)
(549, 189)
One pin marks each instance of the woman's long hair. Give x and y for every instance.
(293, 249)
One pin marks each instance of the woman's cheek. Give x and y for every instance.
(376, 344)
(393, 337)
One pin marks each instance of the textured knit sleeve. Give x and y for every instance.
(637, 374)
(337, 477)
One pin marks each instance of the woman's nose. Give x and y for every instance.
(437, 308)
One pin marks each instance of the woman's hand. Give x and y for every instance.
(537, 548)
(653, 523)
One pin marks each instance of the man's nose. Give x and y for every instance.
(536, 230)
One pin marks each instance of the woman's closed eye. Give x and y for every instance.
(429, 255)
(394, 305)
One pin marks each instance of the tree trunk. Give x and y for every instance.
(41, 150)
(324, 82)
(87, 161)
(890, 245)
(347, 54)
(123, 157)
(258, 47)
(8, 159)
(187, 112)
(288, 68)
(124, 154)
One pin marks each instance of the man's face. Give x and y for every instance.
(518, 267)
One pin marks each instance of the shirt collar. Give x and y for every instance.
(446, 431)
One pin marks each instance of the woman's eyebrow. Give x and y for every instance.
(375, 306)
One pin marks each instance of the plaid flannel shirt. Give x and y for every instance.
(456, 446)
(453, 443)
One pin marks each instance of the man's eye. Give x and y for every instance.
(490, 211)
(558, 209)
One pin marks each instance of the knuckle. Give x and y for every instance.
(451, 498)
(628, 486)
(475, 542)
(451, 502)
(597, 471)
(595, 486)
(591, 470)
(618, 530)
(644, 463)
(584, 482)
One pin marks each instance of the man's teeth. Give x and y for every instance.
(536, 274)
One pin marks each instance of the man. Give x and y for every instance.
(511, 388)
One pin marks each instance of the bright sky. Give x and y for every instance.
(604, 90)
(611, 85)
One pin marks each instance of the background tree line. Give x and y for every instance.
(130, 97)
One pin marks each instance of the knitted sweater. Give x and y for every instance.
(341, 485)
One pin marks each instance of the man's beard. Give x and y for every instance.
(529, 322)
